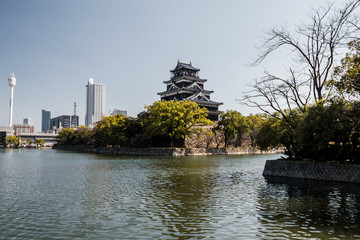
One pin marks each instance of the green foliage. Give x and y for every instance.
(347, 76)
(112, 131)
(174, 120)
(330, 133)
(233, 125)
(11, 141)
(254, 125)
(269, 134)
(325, 132)
(280, 130)
(66, 136)
(81, 136)
(40, 143)
(171, 120)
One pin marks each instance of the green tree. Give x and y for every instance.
(269, 134)
(29, 142)
(40, 143)
(347, 76)
(174, 120)
(11, 141)
(80, 136)
(66, 136)
(329, 132)
(112, 131)
(254, 124)
(233, 125)
(83, 136)
(279, 131)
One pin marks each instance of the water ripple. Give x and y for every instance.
(51, 194)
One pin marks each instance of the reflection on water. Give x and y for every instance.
(56, 194)
(310, 209)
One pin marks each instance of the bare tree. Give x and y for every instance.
(313, 47)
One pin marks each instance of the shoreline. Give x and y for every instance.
(164, 151)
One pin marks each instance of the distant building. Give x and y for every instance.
(45, 120)
(4, 132)
(74, 121)
(28, 121)
(185, 84)
(95, 102)
(60, 122)
(64, 121)
(117, 112)
(22, 128)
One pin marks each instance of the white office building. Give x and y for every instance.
(95, 102)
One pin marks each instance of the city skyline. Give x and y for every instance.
(129, 46)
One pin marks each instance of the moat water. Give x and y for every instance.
(50, 194)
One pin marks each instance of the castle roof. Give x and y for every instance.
(181, 65)
(183, 90)
(201, 99)
(185, 78)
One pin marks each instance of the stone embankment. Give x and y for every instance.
(163, 151)
(339, 172)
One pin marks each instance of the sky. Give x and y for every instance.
(130, 46)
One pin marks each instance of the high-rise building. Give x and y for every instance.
(95, 102)
(28, 121)
(45, 120)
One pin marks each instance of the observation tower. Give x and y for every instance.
(12, 83)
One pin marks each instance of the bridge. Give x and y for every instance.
(49, 138)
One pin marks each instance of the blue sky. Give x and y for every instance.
(130, 45)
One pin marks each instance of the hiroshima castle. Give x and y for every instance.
(185, 84)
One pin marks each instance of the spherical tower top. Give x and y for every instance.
(12, 80)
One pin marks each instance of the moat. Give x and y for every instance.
(54, 194)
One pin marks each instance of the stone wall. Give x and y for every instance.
(214, 139)
(161, 151)
(313, 170)
(205, 139)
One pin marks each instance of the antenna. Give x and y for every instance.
(74, 120)
(74, 108)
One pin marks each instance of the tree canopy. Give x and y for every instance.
(174, 120)
(347, 75)
(233, 125)
(111, 131)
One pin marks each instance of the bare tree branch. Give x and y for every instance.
(315, 47)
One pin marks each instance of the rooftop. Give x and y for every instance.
(181, 65)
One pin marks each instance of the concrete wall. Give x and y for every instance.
(313, 170)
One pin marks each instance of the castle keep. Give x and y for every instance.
(185, 84)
